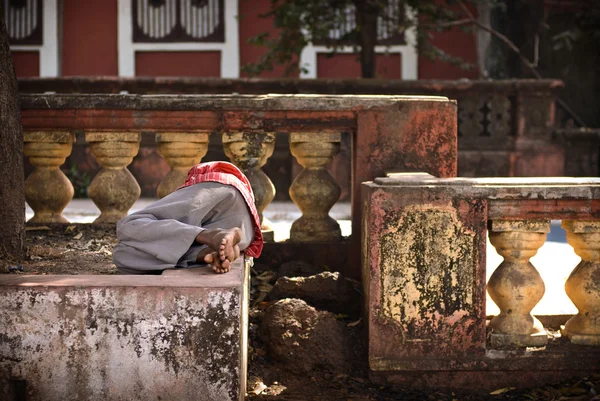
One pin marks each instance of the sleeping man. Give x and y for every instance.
(209, 220)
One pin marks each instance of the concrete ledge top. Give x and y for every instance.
(195, 278)
(203, 85)
(272, 102)
(502, 187)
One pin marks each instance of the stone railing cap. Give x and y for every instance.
(218, 102)
(203, 279)
(204, 85)
(428, 179)
(50, 136)
(502, 187)
(238, 136)
(195, 137)
(94, 136)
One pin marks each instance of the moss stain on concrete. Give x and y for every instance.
(425, 255)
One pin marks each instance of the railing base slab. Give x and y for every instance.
(533, 340)
(581, 339)
(268, 235)
(475, 380)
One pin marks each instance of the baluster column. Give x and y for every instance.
(182, 151)
(315, 191)
(114, 189)
(250, 151)
(516, 286)
(583, 285)
(47, 190)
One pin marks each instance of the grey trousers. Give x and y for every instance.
(162, 235)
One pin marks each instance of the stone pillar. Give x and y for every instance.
(315, 191)
(536, 151)
(516, 286)
(47, 190)
(583, 285)
(182, 151)
(114, 189)
(250, 151)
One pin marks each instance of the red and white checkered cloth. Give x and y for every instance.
(228, 174)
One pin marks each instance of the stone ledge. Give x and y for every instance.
(125, 337)
(492, 370)
(556, 358)
(275, 102)
(510, 198)
(287, 85)
(489, 185)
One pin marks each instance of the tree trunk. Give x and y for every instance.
(366, 19)
(12, 197)
(483, 40)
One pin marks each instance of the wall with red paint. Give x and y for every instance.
(251, 24)
(90, 43)
(348, 66)
(455, 43)
(173, 64)
(90, 47)
(27, 64)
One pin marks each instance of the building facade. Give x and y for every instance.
(202, 38)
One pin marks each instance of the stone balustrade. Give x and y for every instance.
(422, 238)
(182, 150)
(516, 286)
(47, 189)
(424, 132)
(315, 190)
(505, 127)
(583, 285)
(250, 151)
(113, 190)
(424, 273)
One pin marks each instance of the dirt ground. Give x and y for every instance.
(347, 388)
(87, 249)
(66, 249)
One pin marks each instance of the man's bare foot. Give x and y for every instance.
(216, 264)
(202, 254)
(236, 252)
(222, 241)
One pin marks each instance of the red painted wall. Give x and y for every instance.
(251, 24)
(90, 42)
(184, 64)
(348, 66)
(455, 43)
(27, 64)
(90, 48)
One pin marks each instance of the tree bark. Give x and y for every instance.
(483, 40)
(366, 19)
(12, 196)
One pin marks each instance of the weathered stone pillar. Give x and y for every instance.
(114, 189)
(315, 191)
(47, 189)
(182, 151)
(536, 151)
(250, 151)
(583, 285)
(516, 286)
